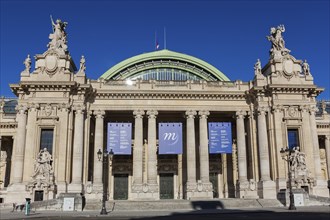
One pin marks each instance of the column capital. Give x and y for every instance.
(152, 113)
(262, 110)
(79, 108)
(99, 113)
(304, 108)
(33, 106)
(277, 108)
(64, 107)
(313, 110)
(138, 113)
(21, 109)
(191, 113)
(327, 137)
(240, 114)
(203, 114)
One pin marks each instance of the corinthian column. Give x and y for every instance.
(30, 141)
(266, 187)
(138, 148)
(152, 148)
(316, 149)
(263, 145)
(241, 147)
(281, 164)
(191, 154)
(203, 147)
(20, 144)
(98, 144)
(78, 146)
(327, 150)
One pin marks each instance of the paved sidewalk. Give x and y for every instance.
(49, 214)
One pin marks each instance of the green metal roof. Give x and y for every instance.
(128, 67)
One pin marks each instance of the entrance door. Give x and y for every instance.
(38, 195)
(120, 187)
(166, 188)
(214, 181)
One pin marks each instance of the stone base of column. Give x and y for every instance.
(144, 192)
(247, 190)
(320, 188)
(61, 187)
(280, 184)
(199, 190)
(267, 189)
(75, 188)
(16, 193)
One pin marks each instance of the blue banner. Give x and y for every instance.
(170, 138)
(220, 137)
(120, 138)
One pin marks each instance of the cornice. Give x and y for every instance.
(172, 95)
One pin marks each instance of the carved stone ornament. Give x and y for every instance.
(43, 176)
(48, 110)
(288, 68)
(51, 63)
(292, 111)
(145, 188)
(252, 185)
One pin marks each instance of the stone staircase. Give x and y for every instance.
(165, 205)
(121, 205)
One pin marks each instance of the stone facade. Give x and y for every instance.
(58, 100)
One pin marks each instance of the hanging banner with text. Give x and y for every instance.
(170, 138)
(220, 137)
(120, 138)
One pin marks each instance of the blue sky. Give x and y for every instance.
(230, 35)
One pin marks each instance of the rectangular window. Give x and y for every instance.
(46, 139)
(293, 138)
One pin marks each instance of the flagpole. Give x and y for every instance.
(155, 46)
(164, 38)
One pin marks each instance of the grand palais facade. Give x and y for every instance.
(176, 127)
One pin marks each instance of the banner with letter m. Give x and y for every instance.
(170, 138)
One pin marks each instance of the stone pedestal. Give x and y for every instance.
(199, 191)
(78, 200)
(145, 192)
(267, 189)
(16, 193)
(280, 184)
(62, 187)
(75, 188)
(301, 197)
(247, 190)
(320, 188)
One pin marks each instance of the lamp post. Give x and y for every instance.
(104, 163)
(286, 155)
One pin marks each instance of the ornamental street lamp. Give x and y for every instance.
(104, 163)
(286, 155)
